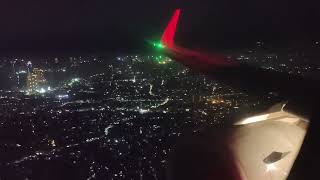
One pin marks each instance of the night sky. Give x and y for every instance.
(124, 25)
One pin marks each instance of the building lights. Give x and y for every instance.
(35, 80)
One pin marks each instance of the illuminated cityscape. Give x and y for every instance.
(159, 90)
(118, 119)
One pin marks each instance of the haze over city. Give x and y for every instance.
(94, 90)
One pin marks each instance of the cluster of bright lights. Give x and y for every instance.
(74, 80)
(21, 72)
(144, 111)
(43, 90)
(63, 96)
(162, 60)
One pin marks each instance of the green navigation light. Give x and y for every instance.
(158, 45)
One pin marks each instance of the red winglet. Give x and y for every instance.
(168, 35)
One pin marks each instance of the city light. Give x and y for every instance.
(22, 72)
(162, 60)
(41, 91)
(73, 81)
(29, 63)
(63, 96)
(106, 130)
(143, 111)
(217, 101)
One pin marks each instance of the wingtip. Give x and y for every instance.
(168, 36)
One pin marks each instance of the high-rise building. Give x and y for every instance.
(22, 76)
(29, 66)
(35, 80)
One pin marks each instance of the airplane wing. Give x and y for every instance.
(265, 146)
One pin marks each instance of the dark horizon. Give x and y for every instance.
(96, 26)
